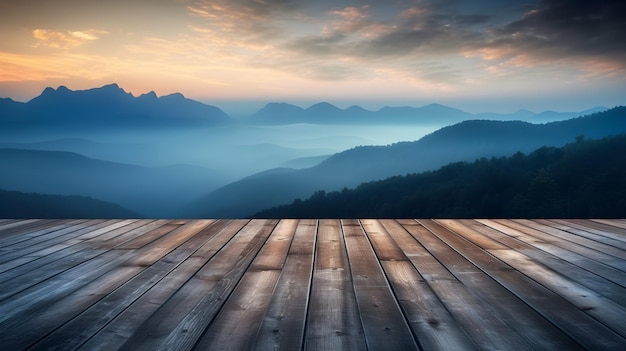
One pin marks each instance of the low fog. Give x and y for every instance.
(156, 172)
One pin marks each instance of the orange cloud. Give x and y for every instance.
(65, 40)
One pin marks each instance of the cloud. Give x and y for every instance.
(241, 20)
(66, 39)
(572, 31)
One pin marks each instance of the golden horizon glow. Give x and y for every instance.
(244, 50)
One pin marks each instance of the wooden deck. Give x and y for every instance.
(315, 285)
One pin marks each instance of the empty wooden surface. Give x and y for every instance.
(312, 284)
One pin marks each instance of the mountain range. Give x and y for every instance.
(464, 141)
(74, 164)
(106, 107)
(110, 107)
(433, 114)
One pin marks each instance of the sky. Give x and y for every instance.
(487, 55)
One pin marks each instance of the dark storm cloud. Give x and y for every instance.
(571, 27)
(540, 32)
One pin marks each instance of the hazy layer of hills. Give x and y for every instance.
(149, 191)
(325, 113)
(585, 179)
(464, 141)
(174, 157)
(110, 107)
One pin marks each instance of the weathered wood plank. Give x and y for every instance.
(148, 236)
(592, 281)
(574, 246)
(14, 281)
(471, 235)
(575, 238)
(609, 273)
(124, 325)
(333, 318)
(384, 325)
(587, 300)
(38, 234)
(181, 321)
(47, 293)
(492, 316)
(614, 234)
(74, 244)
(12, 258)
(431, 323)
(21, 226)
(74, 333)
(451, 284)
(428, 266)
(578, 325)
(612, 222)
(247, 304)
(283, 326)
(29, 326)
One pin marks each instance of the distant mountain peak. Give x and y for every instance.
(150, 95)
(323, 108)
(174, 96)
(277, 104)
(272, 106)
(48, 91)
(323, 104)
(111, 106)
(111, 86)
(355, 108)
(434, 104)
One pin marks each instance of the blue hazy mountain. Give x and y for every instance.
(433, 114)
(279, 113)
(550, 116)
(15, 204)
(110, 107)
(139, 154)
(465, 141)
(326, 113)
(150, 191)
(107, 107)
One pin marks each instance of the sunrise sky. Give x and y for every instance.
(488, 55)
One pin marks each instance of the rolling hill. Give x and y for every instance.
(149, 191)
(465, 141)
(586, 179)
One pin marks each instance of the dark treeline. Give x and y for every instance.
(585, 179)
(15, 204)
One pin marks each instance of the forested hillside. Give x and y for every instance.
(466, 141)
(583, 179)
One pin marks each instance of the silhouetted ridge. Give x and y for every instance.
(107, 107)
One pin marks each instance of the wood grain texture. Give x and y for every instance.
(312, 284)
